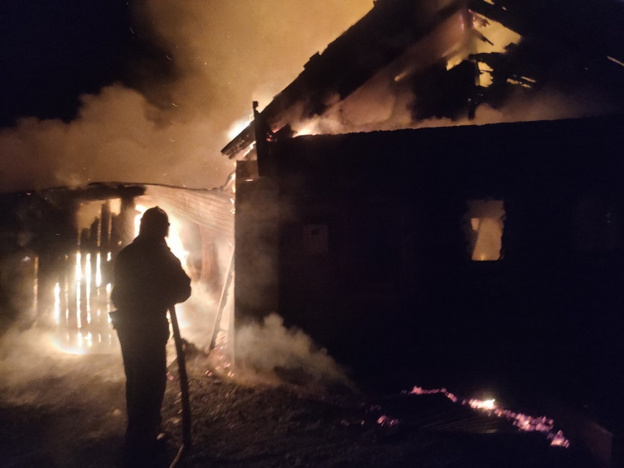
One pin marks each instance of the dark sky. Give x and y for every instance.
(53, 51)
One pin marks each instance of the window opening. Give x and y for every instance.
(485, 229)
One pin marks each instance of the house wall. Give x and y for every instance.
(256, 235)
(373, 258)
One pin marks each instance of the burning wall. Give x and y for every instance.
(67, 260)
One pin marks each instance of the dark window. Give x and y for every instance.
(596, 226)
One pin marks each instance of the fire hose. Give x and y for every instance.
(184, 387)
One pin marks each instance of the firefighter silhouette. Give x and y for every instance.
(148, 279)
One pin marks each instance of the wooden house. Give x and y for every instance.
(438, 196)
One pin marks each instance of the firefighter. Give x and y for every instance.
(148, 279)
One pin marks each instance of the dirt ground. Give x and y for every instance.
(69, 412)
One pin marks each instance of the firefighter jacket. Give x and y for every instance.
(148, 280)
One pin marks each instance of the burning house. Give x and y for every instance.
(439, 194)
(435, 199)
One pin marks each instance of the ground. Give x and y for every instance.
(68, 411)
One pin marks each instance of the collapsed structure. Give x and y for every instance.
(489, 246)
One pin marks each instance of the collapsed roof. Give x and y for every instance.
(411, 63)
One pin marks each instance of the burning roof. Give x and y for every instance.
(410, 63)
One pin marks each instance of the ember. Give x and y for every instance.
(386, 421)
(522, 421)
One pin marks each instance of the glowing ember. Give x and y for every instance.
(482, 404)
(522, 421)
(386, 421)
(221, 360)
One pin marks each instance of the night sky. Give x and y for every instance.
(52, 52)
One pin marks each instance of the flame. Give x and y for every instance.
(137, 219)
(82, 323)
(482, 404)
(486, 221)
(523, 422)
(308, 127)
(82, 303)
(237, 127)
(175, 242)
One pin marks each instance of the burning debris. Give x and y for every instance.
(522, 421)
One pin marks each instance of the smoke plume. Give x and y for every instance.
(224, 54)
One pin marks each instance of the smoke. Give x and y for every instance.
(34, 371)
(169, 130)
(269, 350)
(198, 316)
(420, 88)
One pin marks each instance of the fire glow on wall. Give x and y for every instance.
(70, 268)
(82, 291)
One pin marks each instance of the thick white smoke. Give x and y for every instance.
(226, 53)
(269, 350)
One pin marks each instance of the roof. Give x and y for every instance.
(562, 43)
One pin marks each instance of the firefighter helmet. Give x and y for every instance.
(154, 222)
